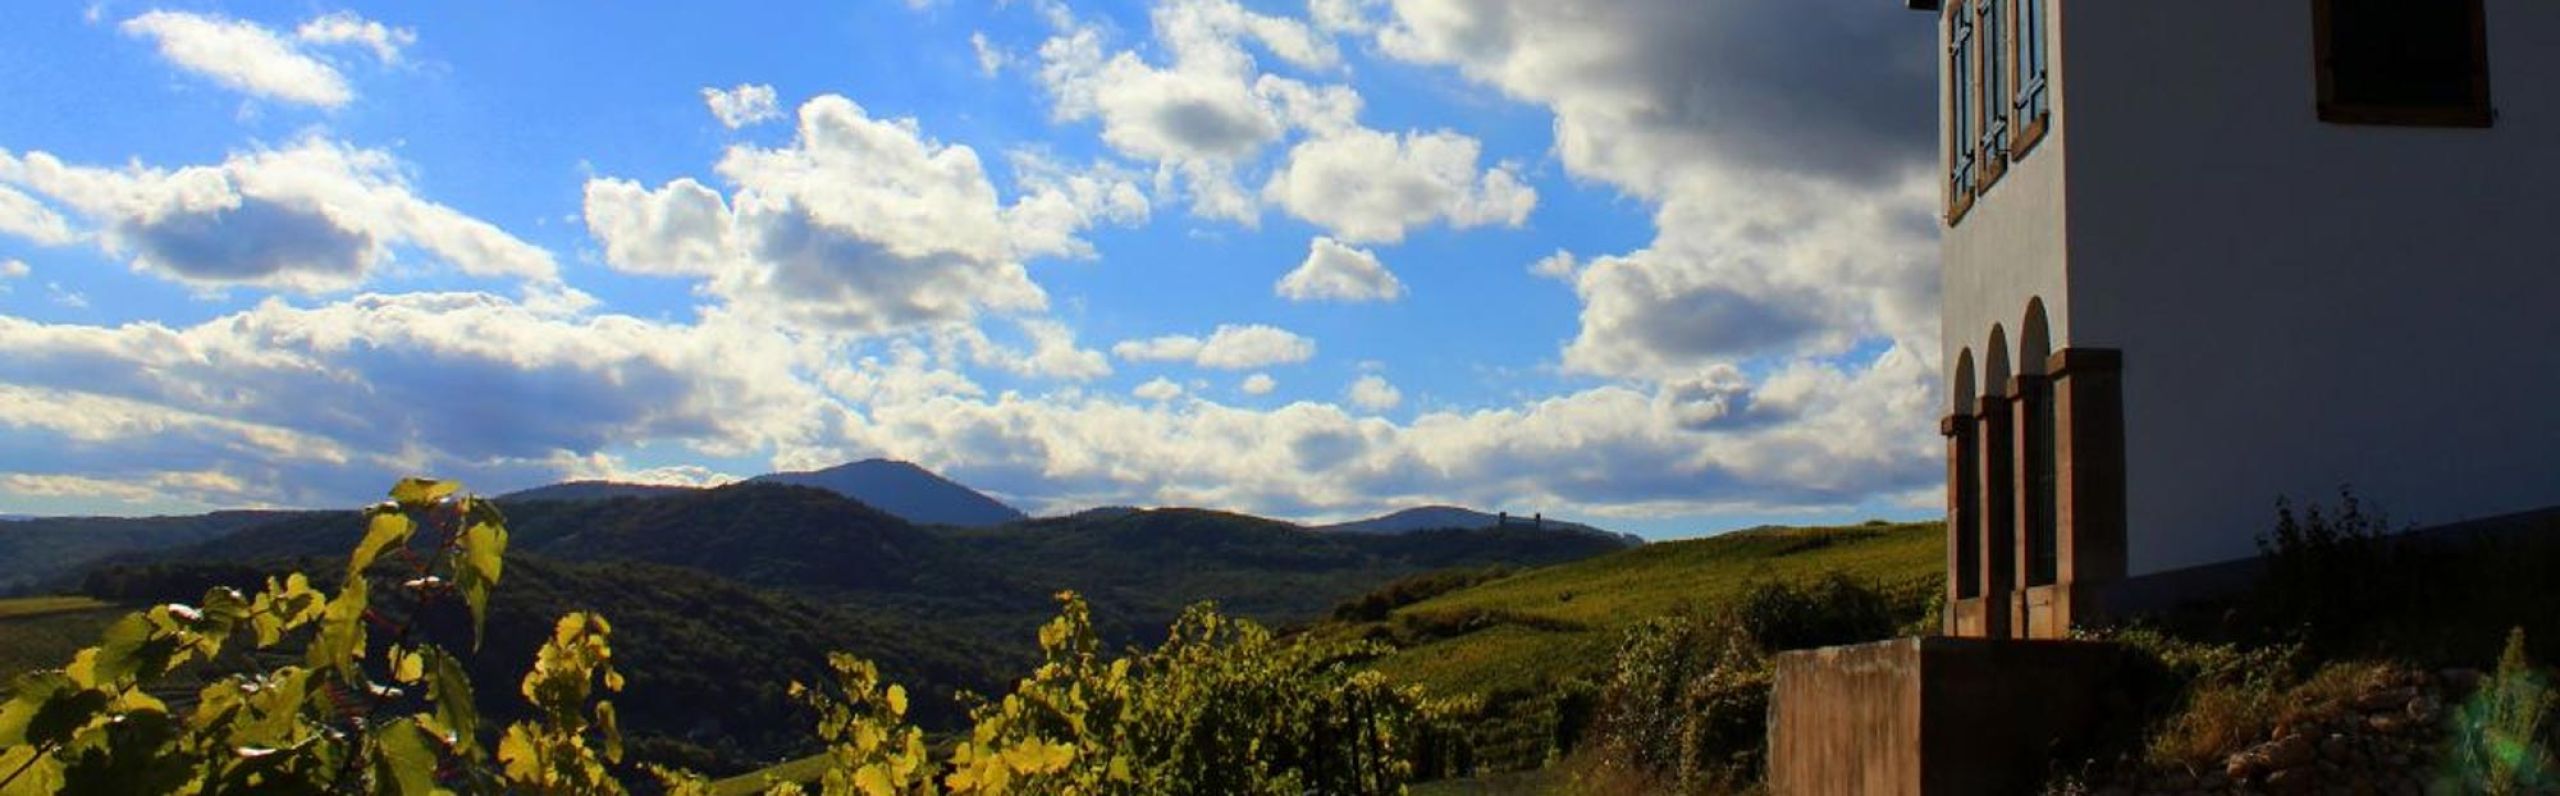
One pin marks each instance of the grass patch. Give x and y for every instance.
(22, 607)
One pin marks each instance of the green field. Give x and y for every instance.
(43, 632)
(27, 607)
(806, 769)
(1544, 625)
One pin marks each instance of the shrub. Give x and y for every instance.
(1686, 705)
(2500, 738)
(1378, 603)
(2323, 567)
(1836, 609)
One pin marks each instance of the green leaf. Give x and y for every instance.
(418, 493)
(407, 666)
(405, 761)
(386, 530)
(609, 725)
(35, 774)
(46, 709)
(484, 550)
(133, 648)
(341, 637)
(450, 689)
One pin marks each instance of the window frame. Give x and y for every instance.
(1992, 68)
(2031, 95)
(2475, 112)
(1988, 101)
(1963, 82)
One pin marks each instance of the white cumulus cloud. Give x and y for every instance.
(1259, 384)
(244, 56)
(991, 59)
(1231, 347)
(346, 27)
(1335, 272)
(1371, 186)
(1199, 114)
(314, 216)
(21, 215)
(861, 224)
(1158, 389)
(1373, 393)
(742, 105)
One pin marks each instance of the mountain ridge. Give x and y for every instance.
(910, 492)
(1443, 516)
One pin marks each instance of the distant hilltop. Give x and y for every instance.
(923, 497)
(899, 488)
(912, 493)
(1431, 518)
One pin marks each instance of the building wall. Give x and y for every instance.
(2303, 305)
(2009, 247)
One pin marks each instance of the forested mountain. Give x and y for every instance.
(35, 548)
(1432, 518)
(910, 492)
(592, 490)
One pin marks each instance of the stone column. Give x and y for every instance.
(2031, 499)
(1998, 513)
(1964, 534)
(2089, 453)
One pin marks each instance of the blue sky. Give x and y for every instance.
(1667, 266)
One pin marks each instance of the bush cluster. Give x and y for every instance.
(1685, 706)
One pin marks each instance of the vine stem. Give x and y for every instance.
(41, 753)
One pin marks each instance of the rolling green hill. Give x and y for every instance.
(1138, 567)
(1527, 631)
(1530, 644)
(34, 549)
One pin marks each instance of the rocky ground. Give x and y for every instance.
(2387, 739)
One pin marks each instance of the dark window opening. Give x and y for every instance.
(2420, 62)
(2044, 540)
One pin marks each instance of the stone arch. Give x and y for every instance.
(1963, 388)
(1995, 363)
(2035, 339)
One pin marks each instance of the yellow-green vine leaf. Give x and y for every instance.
(386, 529)
(484, 550)
(407, 762)
(450, 689)
(341, 638)
(418, 493)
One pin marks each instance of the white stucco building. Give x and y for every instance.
(2202, 254)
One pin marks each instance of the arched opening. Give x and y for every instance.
(2038, 475)
(1995, 363)
(2035, 340)
(1995, 482)
(1962, 387)
(1964, 484)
